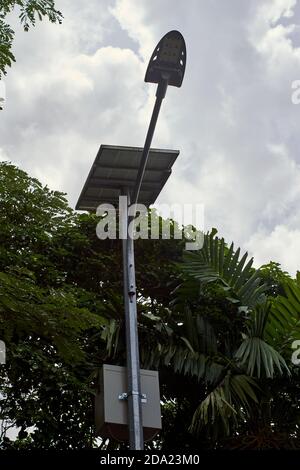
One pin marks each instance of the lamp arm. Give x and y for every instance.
(160, 94)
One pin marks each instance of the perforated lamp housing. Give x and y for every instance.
(168, 60)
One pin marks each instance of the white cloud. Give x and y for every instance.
(78, 85)
(273, 10)
(133, 18)
(281, 245)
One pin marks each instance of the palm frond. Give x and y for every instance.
(260, 359)
(215, 262)
(231, 400)
(199, 332)
(283, 324)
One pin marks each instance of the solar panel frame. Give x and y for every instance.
(116, 167)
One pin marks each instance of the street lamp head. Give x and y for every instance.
(168, 60)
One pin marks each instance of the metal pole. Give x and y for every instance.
(160, 94)
(136, 437)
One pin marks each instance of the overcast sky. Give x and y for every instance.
(79, 85)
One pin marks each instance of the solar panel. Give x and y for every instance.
(116, 167)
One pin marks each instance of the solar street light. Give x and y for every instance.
(140, 174)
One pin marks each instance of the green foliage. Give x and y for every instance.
(233, 398)
(215, 262)
(6, 40)
(255, 354)
(48, 316)
(283, 326)
(236, 346)
(30, 10)
(274, 278)
(221, 345)
(47, 320)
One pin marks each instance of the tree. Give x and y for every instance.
(217, 329)
(237, 352)
(44, 321)
(60, 295)
(30, 10)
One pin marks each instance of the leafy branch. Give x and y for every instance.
(30, 11)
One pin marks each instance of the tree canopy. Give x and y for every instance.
(218, 330)
(29, 12)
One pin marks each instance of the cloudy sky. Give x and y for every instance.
(79, 85)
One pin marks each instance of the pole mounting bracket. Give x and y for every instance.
(124, 396)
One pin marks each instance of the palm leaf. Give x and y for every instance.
(283, 324)
(215, 262)
(259, 358)
(231, 400)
